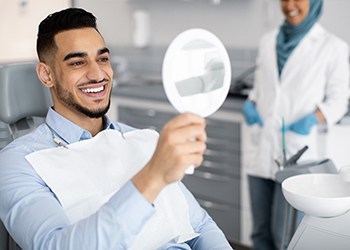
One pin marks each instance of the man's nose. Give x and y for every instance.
(95, 72)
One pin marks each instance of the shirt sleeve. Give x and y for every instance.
(211, 237)
(35, 219)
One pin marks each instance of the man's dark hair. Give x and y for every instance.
(67, 19)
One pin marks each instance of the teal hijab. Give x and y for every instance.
(289, 35)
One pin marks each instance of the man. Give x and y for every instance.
(75, 65)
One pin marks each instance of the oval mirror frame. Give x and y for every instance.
(196, 72)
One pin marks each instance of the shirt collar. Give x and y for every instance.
(69, 131)
(107, 124)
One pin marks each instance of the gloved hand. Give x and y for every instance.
(250, 113)
(304, 125)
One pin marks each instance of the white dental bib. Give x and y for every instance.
(88, 173)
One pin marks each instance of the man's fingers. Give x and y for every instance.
(194, 147)
(184, 120)
(183, 128)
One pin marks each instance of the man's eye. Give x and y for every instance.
(77, 63)
(104, 59)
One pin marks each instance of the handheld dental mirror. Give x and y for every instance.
(196, 73)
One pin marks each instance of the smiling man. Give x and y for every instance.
(111, 186)
(80, 81)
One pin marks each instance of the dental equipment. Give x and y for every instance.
(325, 200)
(293, 160)
(291, 219)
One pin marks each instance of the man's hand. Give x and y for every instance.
(181, 143)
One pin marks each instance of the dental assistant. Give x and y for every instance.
(302, 76)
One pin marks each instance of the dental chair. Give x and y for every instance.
(24, 102)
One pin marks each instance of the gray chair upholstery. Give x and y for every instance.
(22, 94)
(4, 237)
(24, 102)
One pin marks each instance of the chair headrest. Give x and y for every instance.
(21, 93)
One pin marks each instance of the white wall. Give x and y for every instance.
(236, 22)
(336, 18)
(113, 19)
(19, 21)
(239, 23)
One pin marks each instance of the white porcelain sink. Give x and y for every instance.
(321, 195)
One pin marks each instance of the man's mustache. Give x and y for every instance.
(92, 82)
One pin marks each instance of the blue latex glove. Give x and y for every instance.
(304, 125)
(250, 113)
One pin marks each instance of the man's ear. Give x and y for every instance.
(44, 74)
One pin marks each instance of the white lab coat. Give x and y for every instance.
(316, 75)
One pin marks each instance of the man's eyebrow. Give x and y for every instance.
(84, 54)
(74, 54)
(102, 51)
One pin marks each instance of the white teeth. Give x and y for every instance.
(293, 13)
(93, 90)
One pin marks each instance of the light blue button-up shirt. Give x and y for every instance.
(36, 220)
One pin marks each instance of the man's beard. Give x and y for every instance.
(66, 97)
